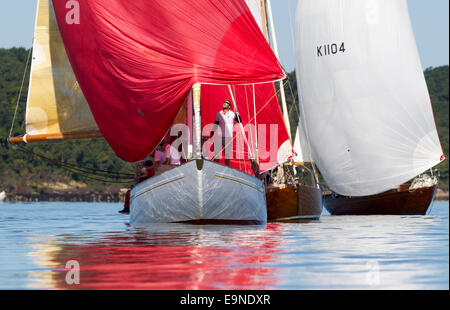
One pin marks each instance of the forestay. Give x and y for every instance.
(364, 100)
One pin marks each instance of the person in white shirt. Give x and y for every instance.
(224, 138)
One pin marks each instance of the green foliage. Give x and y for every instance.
(21, 172)
(437, 81)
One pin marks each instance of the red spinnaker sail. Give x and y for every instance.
(137, 60)
(271, 136)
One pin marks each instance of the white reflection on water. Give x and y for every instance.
(367, 252)
(410, 252)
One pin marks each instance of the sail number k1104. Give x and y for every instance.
(330, 49)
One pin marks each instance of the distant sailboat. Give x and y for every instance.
(365, 106)
(296, 194)
(135, 75)
(2, 196)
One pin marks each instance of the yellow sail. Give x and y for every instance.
(56, 107)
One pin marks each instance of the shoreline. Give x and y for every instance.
(441, 195)
(113, 197)
(67, 197)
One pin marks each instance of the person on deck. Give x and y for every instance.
(160, 154)
(173, 157)
(225, 120)
(147, 171)
(126, 205)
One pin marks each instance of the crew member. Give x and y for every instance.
(225, 121)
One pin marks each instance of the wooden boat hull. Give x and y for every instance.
(394, 202)
(199, 192)
(293, 202)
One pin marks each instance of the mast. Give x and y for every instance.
(265, 23)
(256, 126)
(196, 92)
(190, 124)
(275, 49)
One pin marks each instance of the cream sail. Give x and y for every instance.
(364, 101)
(56, 106)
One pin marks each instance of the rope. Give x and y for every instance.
(291, 24)
(105, 176)
(256, 114)
(294, 101)
(20, 92)
(87, 172)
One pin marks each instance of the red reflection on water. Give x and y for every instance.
(151, 262)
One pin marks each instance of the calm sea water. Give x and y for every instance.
(37, 240)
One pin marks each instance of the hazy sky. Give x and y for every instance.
(429, 18)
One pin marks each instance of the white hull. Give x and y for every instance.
(2, 196)
(201, 191)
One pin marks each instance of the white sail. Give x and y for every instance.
(301, 147)
(255, 7)
(364, 101)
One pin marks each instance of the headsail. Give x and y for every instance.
(137, 61)
(364, 100)
(301, 147)
(56, 106)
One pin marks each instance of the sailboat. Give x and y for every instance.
(365, 106)
(295, 193)
(105, 69)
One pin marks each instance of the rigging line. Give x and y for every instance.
(75, 168)
(78, 167)
(242, 128)
(256, 125)
(62, 164)
(257, 113)
(294, 100)
(290, 23)
(117, 181)
(20, 91)
(240, 123)
(87, 174)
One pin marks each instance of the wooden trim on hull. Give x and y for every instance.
(293, 202)
(395, 202)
